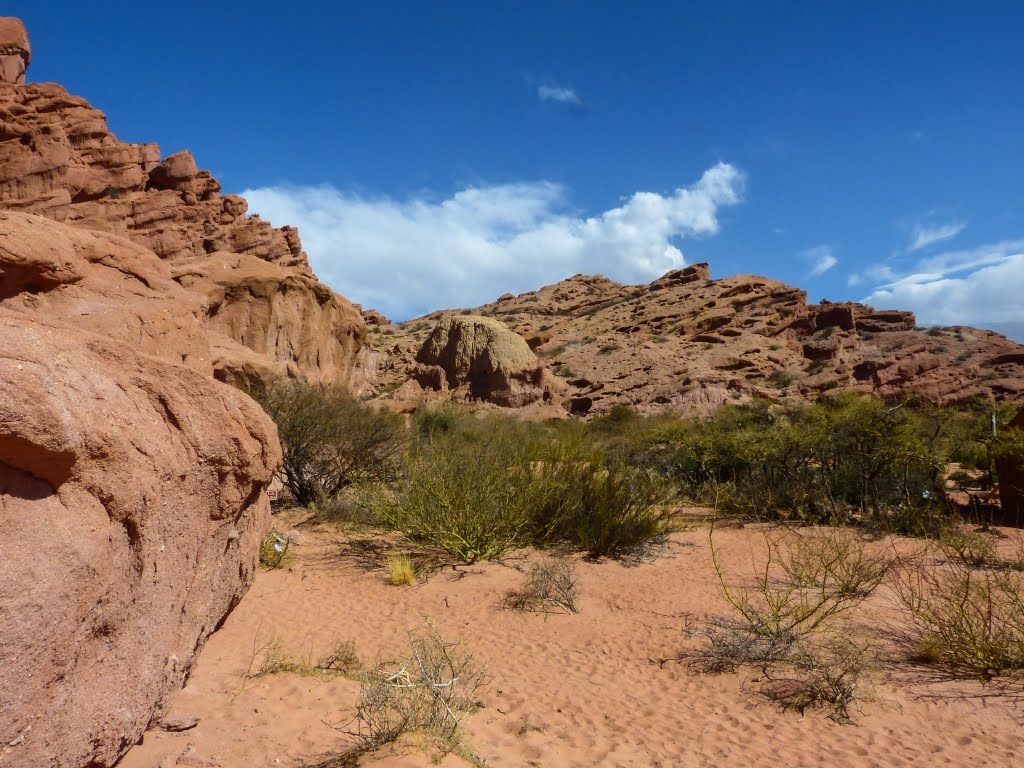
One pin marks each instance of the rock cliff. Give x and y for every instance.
(132, 481)
(59, 159)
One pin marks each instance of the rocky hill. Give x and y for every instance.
(687, 341)
(132, 481)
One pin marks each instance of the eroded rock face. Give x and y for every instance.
(688, 342)
(483, 357)
(131, 481)
(15, 53)
(101, 283)
(131, 510)
(131, 490)
(267, 320)
(59, 159)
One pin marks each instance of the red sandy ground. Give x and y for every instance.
(566, 690)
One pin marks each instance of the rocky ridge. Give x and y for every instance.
(687, 341)
(269, 314)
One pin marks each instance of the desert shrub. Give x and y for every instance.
(787, 625)
(550, 584)
(494, 484)
(614, 511)
(469, 492)
(831, 675)
(330, 440)
(617, 417)
(582, 498)
(400, 570)
(435, 419)
(825, 573)
(847, 456)
(968, 620)
(342, 658)
(347, 509)
(971, 548)
(780, 379)
(431, 691)
(274, 658)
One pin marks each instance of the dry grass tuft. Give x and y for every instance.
(274, 658)
(550, 584)
(401, 572)
(430, 691)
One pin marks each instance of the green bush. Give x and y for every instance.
(491, 485)
(330, 440)
(469, 492)
(847, 456)
(604, 509)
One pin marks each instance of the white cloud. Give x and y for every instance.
(821, 259)
(560, 94)
(982, 286)
(408, 257)
(923, 235)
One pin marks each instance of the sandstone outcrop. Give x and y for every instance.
(59, 159)
(688, 342)
(131, 511)
(483, 358)
(268, 320)
(131, 504)
(131, 480)
(15, 53)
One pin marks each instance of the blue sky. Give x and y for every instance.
(439, 154)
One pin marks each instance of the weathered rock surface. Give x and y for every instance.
(102, 283)
(59, 159)
(268, 320)
(15, 53)
(131, 481)
(483, 358)
(131, 510)
(688, 342)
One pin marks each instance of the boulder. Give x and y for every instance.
(131, 512)
(487, 360)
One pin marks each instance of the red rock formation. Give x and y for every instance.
(58, 159)
(131, 491)
(687, 341)
(131, 482)
(15, 53)
(268, 320)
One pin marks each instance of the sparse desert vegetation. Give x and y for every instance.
(832, 571)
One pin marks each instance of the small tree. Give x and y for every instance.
(330, 439)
